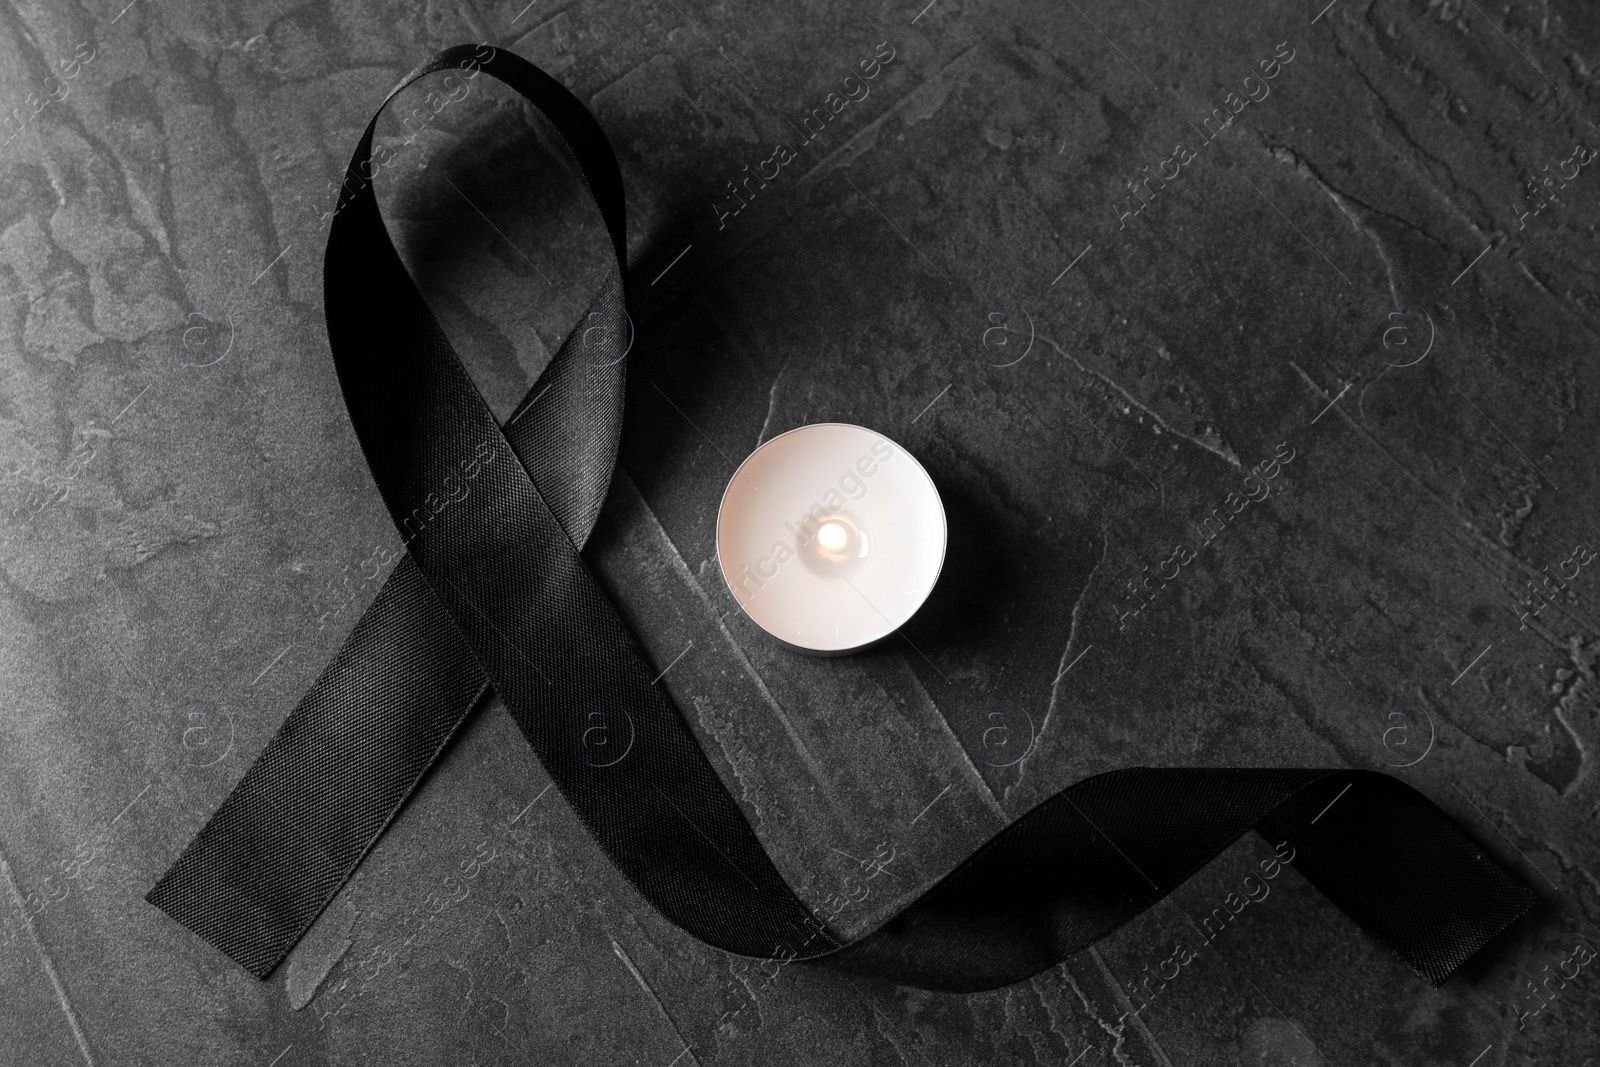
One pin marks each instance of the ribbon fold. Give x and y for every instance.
(494, 592)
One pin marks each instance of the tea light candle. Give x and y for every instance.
(830, 537)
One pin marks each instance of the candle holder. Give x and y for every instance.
(830, 537)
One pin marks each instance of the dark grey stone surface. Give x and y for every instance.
(186, 509)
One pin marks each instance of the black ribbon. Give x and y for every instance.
(494, 591)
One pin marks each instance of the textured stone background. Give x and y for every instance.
(188, 527)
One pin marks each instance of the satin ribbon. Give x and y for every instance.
(494, 592)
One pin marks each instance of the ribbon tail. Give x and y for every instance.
(325, 787)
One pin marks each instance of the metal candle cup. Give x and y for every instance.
(830, 537)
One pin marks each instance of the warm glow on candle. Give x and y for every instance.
(832, 536)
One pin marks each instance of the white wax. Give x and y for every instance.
(830, 537)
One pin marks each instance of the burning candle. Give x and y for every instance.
(830, 537)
